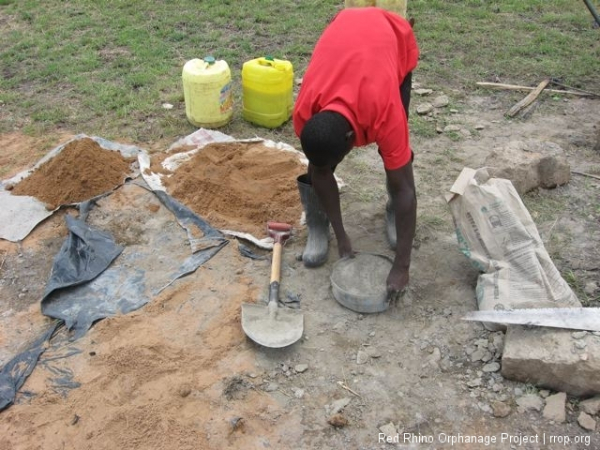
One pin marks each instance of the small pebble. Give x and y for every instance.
(301, 368)
(491, 367)
(337, 421)
(362, 357)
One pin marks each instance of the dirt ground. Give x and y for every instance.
(179, 373)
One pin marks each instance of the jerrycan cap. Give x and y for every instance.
(210, 60)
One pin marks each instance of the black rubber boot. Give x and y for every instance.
(317, 246)
(390, 221)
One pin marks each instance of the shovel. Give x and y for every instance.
(269, 325)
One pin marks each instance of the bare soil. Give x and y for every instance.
(180, 373)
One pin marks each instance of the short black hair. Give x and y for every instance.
(324, 137)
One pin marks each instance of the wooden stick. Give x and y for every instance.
(564, 86)
(597, 177)
(342, 385)
(531, 97)
(514, 87)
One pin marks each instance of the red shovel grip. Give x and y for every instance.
(278, 226)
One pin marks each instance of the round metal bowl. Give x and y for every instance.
(359, 283)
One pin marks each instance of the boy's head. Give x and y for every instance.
(326, 138)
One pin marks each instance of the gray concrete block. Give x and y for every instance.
(530, 164)
(552, 358)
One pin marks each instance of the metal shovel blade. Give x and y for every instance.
(275, 329)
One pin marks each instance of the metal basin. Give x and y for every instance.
(359, 283)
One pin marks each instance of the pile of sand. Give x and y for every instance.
(239, 186)
(82, 170)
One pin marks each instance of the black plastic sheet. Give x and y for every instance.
(93, 278)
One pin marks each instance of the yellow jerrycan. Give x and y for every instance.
(207, 92)
(267, 91)
(397, 6)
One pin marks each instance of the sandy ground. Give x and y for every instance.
(179, 373)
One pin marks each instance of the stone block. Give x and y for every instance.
(530, 164)
(555, 407)
(591, 405)
(553, 359)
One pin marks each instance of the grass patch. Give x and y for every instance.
(544, 207)
(577, 284)
(106, 68)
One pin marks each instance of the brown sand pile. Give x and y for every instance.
(82, 170)
(239, 186)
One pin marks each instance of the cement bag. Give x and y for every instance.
(498, 236)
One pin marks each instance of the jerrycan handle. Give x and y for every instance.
(266, 61)
(271, 62)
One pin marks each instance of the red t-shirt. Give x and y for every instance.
(356, 69)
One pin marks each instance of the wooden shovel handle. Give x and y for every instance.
(276, 264)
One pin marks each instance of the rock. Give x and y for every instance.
(339, 327)
(544, 393)
(424, 108)
(548, 358)
(298, 393)
(590, 288)
(474, 383)
(491, 367)
(485, 408)
(518, 392)
(498, 342)
(362, 357)
(530, 401)
(482, 343)
(555, 407)
(530, 164)
(339, 405)
(337, 421)
(586, 422)
(441, 101)
(579, 334)
(479, 126)
(451, 128)
(301, 368)
(184, 390)
(423, 92)
(500, 409)
(271, 387)
(373, 352)
(591, 405)
(388, 429)
(481, 354)
(435, 356)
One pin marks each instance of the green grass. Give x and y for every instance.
(105, 68)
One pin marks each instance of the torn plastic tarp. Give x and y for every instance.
(83, 288)
(84, 255)
(16, 371)
(94, 278)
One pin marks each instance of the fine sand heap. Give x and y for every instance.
(239, 186)
(82, 170)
